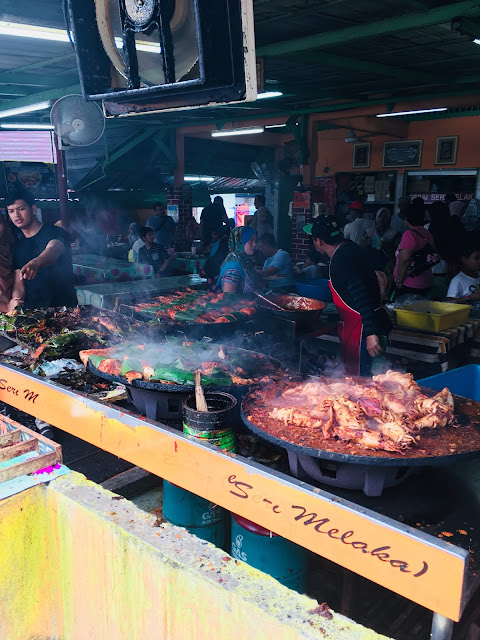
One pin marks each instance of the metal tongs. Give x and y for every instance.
(276, 306)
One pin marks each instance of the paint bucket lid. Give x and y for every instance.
(253, 527)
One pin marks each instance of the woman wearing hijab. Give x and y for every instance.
(12, 289)
(237, 273)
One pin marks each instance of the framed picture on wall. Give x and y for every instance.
(405, 153)
(446, 152)
(361, 155)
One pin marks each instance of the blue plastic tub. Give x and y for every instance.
(464, 381)
(316, 289)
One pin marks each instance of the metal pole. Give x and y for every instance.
(442, 628)
(62, 184)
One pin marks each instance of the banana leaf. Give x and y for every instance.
(70, 337)
(96, 360)
(131, 364)
(179, 376)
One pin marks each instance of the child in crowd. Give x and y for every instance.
(465, 286)
(309, 269)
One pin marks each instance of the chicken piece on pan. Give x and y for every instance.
(374, 440)
(442, 401)
(348, 414)
(395, 432)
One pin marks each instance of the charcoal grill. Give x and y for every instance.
(159, 401)
(192, 330)
(372, 471)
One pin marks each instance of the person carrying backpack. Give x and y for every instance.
(415, 256)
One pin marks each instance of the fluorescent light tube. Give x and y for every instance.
(141, 45)
(39, 106)
(24, 125)
(269, 94)
(274, 126)
(236, 132)
(198, 178)
(33, 31)
(409, 113)
(60, 35)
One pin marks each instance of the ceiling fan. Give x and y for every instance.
(353, 137)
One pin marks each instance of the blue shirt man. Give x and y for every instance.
(162, 225)
(278, 262)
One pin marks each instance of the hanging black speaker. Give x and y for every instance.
(150, 55)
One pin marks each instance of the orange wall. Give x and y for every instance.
(335, 153)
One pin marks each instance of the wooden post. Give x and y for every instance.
(179, 173)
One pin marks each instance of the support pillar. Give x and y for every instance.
(301, 215)
(61, 184)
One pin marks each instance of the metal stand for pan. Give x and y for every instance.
(371, 479)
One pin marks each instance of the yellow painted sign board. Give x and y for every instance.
(420, 567)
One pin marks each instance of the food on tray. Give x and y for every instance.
(190, 305)
(51, 333)
(387, 412)
(174, 362)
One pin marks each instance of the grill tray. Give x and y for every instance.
(160, 401)
(467, 413)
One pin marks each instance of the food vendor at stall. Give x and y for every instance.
(237, 273)
(41, 257)
(356, 294)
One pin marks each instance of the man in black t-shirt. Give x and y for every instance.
(42, 256)
(356, 295)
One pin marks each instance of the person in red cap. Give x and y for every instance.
(358, 230)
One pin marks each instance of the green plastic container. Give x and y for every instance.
(201, 517)
(260, 548)
(215, 425)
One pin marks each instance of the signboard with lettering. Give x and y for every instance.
(413, 564)
(436, 197)
(301, 199)
(38, 177)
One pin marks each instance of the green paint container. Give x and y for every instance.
(201, 517)
(214, 425)
(260, 548)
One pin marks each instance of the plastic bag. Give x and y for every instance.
(406, 299)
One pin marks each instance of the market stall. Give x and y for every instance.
(96, 269)
(419, 562)
(391, 545)
(109, 294)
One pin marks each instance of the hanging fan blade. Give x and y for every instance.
(183, 29)
(77, 121)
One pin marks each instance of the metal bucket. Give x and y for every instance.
(214, 425)
(283, 560)
(201, 517)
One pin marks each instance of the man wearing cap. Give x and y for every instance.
(359, 230)
(356, 294)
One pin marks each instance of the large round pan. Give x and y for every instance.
(447, 444)
(193, 330)
(186, 388)
(303, 311)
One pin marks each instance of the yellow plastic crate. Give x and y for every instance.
(432, 316)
